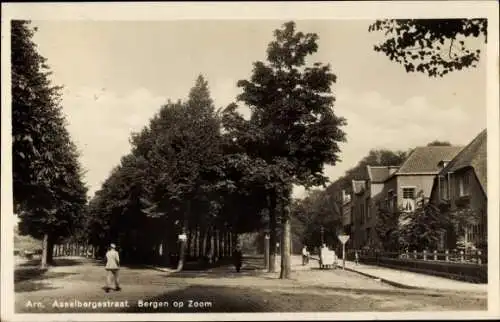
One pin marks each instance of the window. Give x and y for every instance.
(390, 200)
(463, 184)
(408, 193)
(408, 199)
(443, 187)
(367, 208)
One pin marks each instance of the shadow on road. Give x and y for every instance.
(251, 267)
(32, 279)
(196, 299)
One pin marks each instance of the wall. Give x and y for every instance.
(478, 200)
(420, 182)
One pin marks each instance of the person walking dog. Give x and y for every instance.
(112, 268)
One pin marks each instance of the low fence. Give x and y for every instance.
(459, 265)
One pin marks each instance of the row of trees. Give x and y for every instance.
(193, 168)
(49, 194)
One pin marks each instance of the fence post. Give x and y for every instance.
(415, 254)
(435, 255)
(479, 260)
(447, 255)
(462, 257)
(425, 255)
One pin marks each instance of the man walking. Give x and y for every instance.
(238, 258)
(112, 268)
(305, 256)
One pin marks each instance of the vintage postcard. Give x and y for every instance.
(250, 161)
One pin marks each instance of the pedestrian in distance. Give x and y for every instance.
(237, 258)
(112, 268)
(305, 256)
(356, 257)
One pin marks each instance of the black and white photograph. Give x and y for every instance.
(211, 161)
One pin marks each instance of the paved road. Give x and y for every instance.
(79, 282)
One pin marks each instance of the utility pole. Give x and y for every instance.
(322, 237)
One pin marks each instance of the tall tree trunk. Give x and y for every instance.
(216, 245)
(204, 244)
(189, 240)
(50, 250)
(45, 247)
(211, 253)
(286, 235)
(286, 267)
(272, 233)
(221, 244)
(182, 251)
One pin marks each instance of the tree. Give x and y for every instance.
(387, 228)
(49, 194)
(439, 143)
(432, 46)
(422, 229)
(291, 110)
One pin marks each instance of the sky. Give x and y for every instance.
(116, 76)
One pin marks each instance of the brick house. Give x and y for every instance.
(393, 188)
(346, 213)
(462, 186)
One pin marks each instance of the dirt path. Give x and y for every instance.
(223, 290)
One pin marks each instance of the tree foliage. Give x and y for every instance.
(422, 229)
(49, 194)
(439, 143)
(387, 227)
(183, 175)
(432, 46)
(293, 130)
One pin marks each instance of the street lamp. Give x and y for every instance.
(322, 232)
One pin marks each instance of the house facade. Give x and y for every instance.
(394, 189)
(461, 186)
(358, 212)
(347, 222)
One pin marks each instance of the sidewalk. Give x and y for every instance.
(405, 279)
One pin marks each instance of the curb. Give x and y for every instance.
(165, 270)
(386, 281)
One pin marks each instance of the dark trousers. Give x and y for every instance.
(305, 259)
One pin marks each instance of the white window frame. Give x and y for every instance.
(463, 184)
(414, 188)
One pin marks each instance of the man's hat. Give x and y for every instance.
(113, 245)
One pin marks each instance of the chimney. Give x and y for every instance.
(392, 169)
(442, 164)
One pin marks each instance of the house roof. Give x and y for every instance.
(358, 186)
(426, 159)
(473, 155)
(378, 174)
